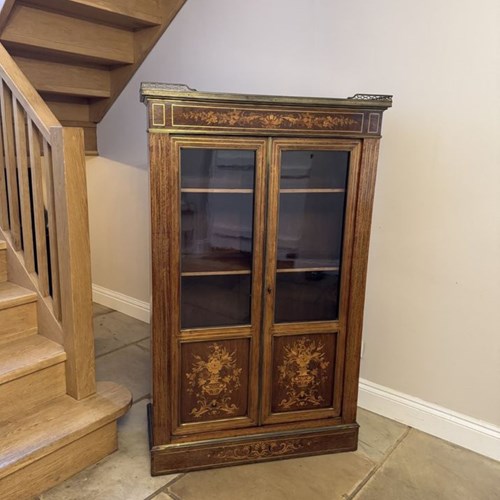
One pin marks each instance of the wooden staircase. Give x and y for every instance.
(80, 54)
(46, 435)
(62, 65)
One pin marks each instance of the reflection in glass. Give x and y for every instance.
(208, 301)
(314, 169)
(216, 237)
(217, 168)
(310, 230)
(216, 231)
(311, 296)
(310, 235)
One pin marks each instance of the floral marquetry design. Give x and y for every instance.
(301, 373)
(212, 380)
(261, 450)
(262, 119)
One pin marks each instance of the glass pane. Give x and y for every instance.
(310, 230)
(216, 300)
(217, 168)
(314, 169)
(310, 235)
(216, 237)
(216, 232)
(308, 296)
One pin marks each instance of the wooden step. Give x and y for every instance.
(49, 34)
(132, 14)
(58, 439)
(66, 79)
(68, 108)
(3, 261)
(31, 372)
(18, 314)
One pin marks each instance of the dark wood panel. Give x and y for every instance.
(196, 456)
(303, 371)
(214, 380)
(264, 120)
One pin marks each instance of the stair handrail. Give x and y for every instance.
(44, 216)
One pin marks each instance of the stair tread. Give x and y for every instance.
(57, 423)
(27, 355)
(3, 245)
(14, 295)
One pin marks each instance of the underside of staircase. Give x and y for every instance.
(62, 65)
(80, 54)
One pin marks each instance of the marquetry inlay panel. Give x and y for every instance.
(214, 380)
(265, 119)
(303, 371)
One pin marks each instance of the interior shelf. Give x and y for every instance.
(312, 190)
(306, 269)
(307, 265)
(217, 190)
(217, 263)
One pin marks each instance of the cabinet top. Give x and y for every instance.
(174, 92)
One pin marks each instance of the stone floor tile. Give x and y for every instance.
(145, 344)
(130, 367)
(162, 496)
(324, 477)
(423, 467)
(98, 309)
(124, 475)
(377, 434)
(114, 330)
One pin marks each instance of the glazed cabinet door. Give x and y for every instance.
(312, 189)
(216, 310)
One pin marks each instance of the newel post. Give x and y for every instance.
(70, 191)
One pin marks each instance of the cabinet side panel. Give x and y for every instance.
(364, 206)
(161, 251)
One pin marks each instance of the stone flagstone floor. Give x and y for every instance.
(393, 462)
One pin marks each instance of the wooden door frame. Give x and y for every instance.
(167, 336)
(338, 327)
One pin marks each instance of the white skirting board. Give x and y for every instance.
(123, 303)
(465, 431)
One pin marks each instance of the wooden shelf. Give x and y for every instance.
(312, 190)
(216, 273)
(217, 263)
(307, 265)
(217, 190)
(306, 269)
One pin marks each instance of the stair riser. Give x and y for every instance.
(27, 392)
(3, 266)
(50, 470)
(18, 321)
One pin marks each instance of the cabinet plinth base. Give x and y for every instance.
(170, 459)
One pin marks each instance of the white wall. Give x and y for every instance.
(431, 323)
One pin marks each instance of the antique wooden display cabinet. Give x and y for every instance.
(261, 211)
